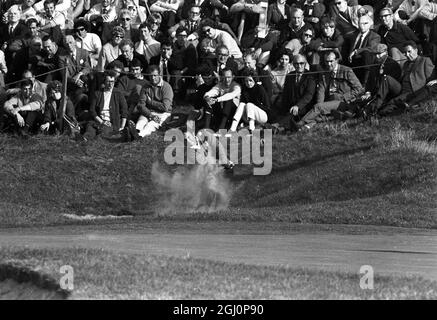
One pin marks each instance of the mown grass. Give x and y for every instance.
(349, 173)
(100, 274)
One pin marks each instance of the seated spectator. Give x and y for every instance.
(222, 100)
(416, 73)
(88, 41)
(360, 53)
(132, 84)
(53, 109)
(154, 23)
(294, 29)
(51, 17)
(77, 63)
(101, 12)
(24, 110)
(346, 19)
(61, 5)
(27, 10)
(260, 46)
(260, 76)
(111, 50)
(329, 39)
(50, 61)
(165, 62)
(339, 85)
(192, 24)
(415, 13)
(221, 61)
(395, 35)
(35, 32)
(16, 60)
(73, 12)
(167, 9)
(303, 45)
(313, 11)
(38, 87)
(223, 38)
(124, 20)
(298, 94)
(138, 13)
(254, 104)
(147, 45)
(128, 54)
(14, 29)
(155, 103)
(279, 73)
(278, 14)
(108, 109)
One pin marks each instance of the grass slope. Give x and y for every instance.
(99, 274)
(338, 173)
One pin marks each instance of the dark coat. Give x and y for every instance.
(298, 94)
(19, 32)
(422, 71)
(80, 64)
(126, 63)
(117, 107)
(368, 44)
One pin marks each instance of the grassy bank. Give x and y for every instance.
(349, 173)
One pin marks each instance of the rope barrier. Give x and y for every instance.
(195, 76)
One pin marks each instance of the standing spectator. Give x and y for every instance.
(155, 103)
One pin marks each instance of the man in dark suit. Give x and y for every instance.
(360, 53)
(221, 62)
(338, 85)
(77, 63)
(128, 54)
(417, 72)
(165, 62)
(299, 92)
(108, 109)
(14, 29)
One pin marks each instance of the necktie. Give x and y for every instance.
(11, 30)
(105, 11)
(165, 70)
(298, 77)
(358, 43)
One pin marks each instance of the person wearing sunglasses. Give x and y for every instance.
(138, 13)
(111, 51)
(302, 44)
(346, 17)
(394, 35)
(298, 94)
(192, 24)
(339, 85)
(87, 40)
(167, 9)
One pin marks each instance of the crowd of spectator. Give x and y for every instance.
(111, 66)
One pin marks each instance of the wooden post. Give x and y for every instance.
(64, 98)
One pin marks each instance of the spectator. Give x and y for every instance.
(53, 108)
(303, 45)
(416, 73)
(338, 85)
(88, 41)
(165, 62)
(260, 76)
(298, 94)
(128, 54)
(14, 29)
(24, 110)
(279, 73)
(147, 45)
(51, 17)
(137, 12)
(278, 14)
(111, 50)
(103, 11)
(192, 24)
(167, 9)
(155, 103)
(395, 35)
(222, 61)
(49, 65)
(254, 105)
(222, 101)
(294, 29)
(108, 109)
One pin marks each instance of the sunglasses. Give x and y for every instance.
(385, 15)
(308, 35)
(80, 29)
(299, 63)
(125, 19)
(337, 3)
(207, 30)
(154, 22)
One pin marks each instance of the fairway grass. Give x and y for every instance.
(100, 274)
